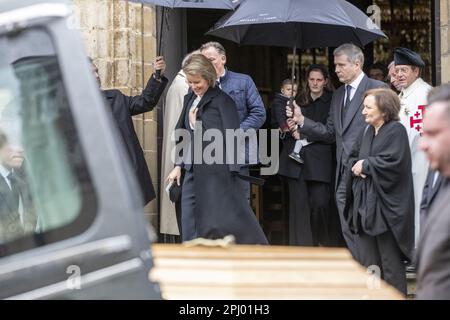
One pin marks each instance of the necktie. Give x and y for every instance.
(14, 191)
(348, 90)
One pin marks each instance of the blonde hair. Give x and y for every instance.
(198, 64)
(186, 58)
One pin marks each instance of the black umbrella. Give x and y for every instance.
(298, 24)
(193, 4)
(199, 4)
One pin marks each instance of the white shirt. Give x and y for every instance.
(354, 86)
(194, 105)
(220, 77)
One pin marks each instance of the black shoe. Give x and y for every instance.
(296, 157)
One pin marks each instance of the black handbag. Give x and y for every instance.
(175, 192)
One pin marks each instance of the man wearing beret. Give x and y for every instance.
(413, 99)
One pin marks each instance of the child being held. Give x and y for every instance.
(288, 91)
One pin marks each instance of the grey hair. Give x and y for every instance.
(216, 45)
(186, 57)
(390, 65)
(352, 52)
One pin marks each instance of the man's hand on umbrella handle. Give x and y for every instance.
(295, 114)
(160, 66)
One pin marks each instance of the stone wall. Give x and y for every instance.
(445, 38)
(121, 38)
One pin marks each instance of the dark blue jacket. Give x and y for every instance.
(241, 88)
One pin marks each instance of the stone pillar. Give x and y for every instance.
(120, 36)
(445, 38)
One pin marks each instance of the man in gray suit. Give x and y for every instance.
(345, 122)
(433, 252)
(430, 192)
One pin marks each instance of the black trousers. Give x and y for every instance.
(299, 218)
(319, 207)
(189, 231)
(341, 193)
(245, 184)
(383, 252)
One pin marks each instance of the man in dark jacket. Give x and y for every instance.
(241, 88)
(123, 108)
(17, 213)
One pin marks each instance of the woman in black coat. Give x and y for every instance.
(380, 198)
(213, 201)
(308, 183)
(318, 169)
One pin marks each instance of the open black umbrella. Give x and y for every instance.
(199, 4)
(297, 24)
(194, 4)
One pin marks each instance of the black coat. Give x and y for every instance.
(123, 108)
(10, 224)
(319, 165)
(221, 205)
(385, 199)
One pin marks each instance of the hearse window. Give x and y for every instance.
(46, 193)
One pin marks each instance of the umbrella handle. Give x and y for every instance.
(158, 72)
(291, 99)
(291, 105)
(161, 31)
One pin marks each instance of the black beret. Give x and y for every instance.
(404, 56)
